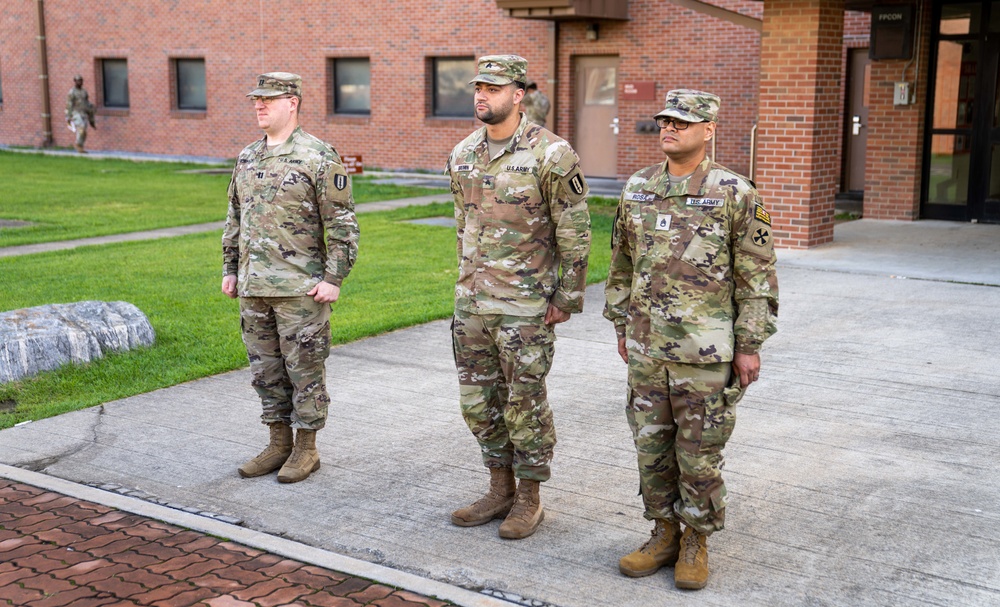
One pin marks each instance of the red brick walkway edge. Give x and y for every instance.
(57, 550)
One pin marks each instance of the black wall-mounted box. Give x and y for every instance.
(892, 32)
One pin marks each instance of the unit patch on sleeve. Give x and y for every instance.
(575, 186)
(340, 181)
(761, 215)
(704, 202)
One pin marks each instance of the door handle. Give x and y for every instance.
(614, 125)
(856, 126)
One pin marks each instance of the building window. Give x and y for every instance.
(114, 83)
(352, 84)
(452, 92)
(190, 80)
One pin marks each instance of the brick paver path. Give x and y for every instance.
(60, 551)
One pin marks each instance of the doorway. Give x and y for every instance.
(856, 124)
(962, 154)
(596, 105)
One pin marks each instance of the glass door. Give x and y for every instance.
(962, 157)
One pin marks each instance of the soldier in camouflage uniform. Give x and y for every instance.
(289, 242)
(693, 294)
(521, 208)
(79, 112)
(535, 104)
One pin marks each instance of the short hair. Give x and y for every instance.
(532, 86)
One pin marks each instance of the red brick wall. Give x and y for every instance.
(675, 48)
(896, 137)
(800, 128)
(398, 37)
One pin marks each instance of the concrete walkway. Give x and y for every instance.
(862, 471)
(370, 207)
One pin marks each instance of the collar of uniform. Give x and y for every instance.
(659, 182)
(281, 149)
(482, 147)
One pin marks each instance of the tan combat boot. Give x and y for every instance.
(273, 456)
(691, 571)
(659, 551)
(495, 504)
(79, 149)
(304, 459)
(526, 514)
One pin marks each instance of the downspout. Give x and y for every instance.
(43, 77)
(554, 76)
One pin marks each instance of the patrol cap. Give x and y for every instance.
(501, 69)
(273, 84)
(78, 77)
(691, 106)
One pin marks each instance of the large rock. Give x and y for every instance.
(46, 337)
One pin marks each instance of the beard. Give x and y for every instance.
(496, 115)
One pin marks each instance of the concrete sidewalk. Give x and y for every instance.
(862, 470)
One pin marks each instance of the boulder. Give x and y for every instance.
(46, 337)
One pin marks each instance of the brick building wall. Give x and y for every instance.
(675, 48)
(399, 38)
(896, 135)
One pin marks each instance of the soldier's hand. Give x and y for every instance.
(229, 285)
(554, 315)
(324, 292)
(747, 366)
(622, 351)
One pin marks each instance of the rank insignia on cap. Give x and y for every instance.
(340, 181)
(760, 214)
(761, 237)
(260, 82)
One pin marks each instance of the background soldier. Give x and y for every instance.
(535, 104)
(521, 207)
(693, 295)
(288, 191)
(79, 112)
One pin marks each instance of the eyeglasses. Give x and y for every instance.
(680, 125)
(269, 100)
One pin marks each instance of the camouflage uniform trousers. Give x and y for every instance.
(288, 341)
(79, 121)
(502, 362)
(681, 416)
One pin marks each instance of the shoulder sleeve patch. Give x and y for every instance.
(758, 240)
(761, 215)
(575, 185)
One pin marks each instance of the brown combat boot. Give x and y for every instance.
(691, 571)
(304, 459)
(79, 149)
(659, 551)
(495, 504)
(526, 514)
(273, 456)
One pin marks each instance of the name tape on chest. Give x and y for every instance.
(463, 168)
(705, 202)
(516, 169)
(663, 221)
(640, 197)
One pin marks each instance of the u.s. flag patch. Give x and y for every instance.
(761, 215)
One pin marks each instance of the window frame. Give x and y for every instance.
(334, 105)
(434, 68)
(175, 82)
(103, 61)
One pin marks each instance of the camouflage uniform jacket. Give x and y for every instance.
(78, 102)
(536, 107)
(281, 202)
(520, 215)
(692, 266)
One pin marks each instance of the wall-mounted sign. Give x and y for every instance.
(353, 164)
(639, 91)
(892, 32)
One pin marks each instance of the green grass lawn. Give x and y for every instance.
(69, 197)
(404, 276)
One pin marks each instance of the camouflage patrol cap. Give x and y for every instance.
(501, 69)
(691, 105)
(273, 84)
